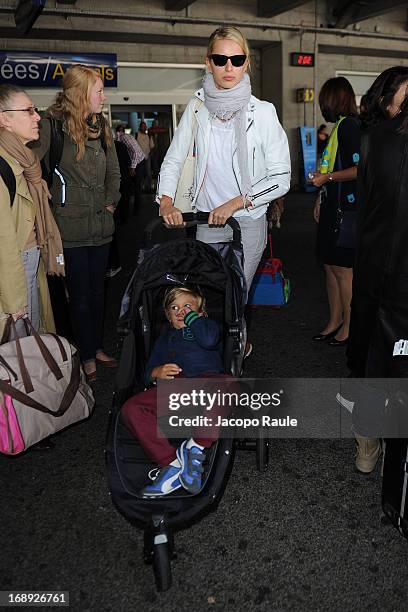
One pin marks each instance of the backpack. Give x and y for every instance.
(54, 158)
(9, 179)
(55, 151)
(56, 148)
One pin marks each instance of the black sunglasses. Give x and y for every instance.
(221, 60)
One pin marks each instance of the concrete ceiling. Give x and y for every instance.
(177, 5)
(121, 37)
(346, 12)
(271, 8)
(343, 12)
(340, 13)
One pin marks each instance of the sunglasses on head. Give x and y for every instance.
(221, 60)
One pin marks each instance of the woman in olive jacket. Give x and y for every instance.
(85, 191)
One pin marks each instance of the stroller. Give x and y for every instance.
(220, 276)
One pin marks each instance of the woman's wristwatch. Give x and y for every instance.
(329, 174)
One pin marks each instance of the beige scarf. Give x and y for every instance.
(48, 236)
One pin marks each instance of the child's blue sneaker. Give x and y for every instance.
(166, 481)
(191, 460)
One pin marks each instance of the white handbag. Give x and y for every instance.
(185, 189)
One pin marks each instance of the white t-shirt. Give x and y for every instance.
(219, 184)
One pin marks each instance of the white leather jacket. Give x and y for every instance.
(268, 154)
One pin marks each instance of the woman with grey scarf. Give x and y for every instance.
(241, 150)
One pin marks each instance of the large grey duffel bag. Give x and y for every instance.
(42, 388)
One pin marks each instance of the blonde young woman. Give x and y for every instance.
(29, 239)
(85, 191)
(242, 154)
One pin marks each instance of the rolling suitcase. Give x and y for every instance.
(395, 483)
(269, 287)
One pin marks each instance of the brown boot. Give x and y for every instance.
(368, 452)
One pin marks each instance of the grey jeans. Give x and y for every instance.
(253, 235)
(31, 259)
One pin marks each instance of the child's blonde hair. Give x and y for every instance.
(173, 294)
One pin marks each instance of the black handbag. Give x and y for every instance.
(346, 220)
(347, 228)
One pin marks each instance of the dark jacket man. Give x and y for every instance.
(380, 285)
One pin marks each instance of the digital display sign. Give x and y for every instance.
(302, 59)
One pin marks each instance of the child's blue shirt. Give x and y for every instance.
(196, 349)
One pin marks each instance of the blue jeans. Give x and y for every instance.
(31, 259)
(85, 275)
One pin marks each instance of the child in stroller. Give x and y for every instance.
(191, 346)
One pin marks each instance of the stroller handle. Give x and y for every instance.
(192, 219)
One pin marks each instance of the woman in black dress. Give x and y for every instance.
(335, 209)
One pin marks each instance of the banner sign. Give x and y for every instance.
(36, 69)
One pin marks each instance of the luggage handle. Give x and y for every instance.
(8, 430)
(7, 331)
(48, 358)
(7, 367)
(27, 382)
(191, 219)
(270, 245)
(67, 398)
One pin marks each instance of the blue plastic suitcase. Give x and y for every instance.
(269, 287)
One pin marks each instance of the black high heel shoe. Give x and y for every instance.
(335, 342)
(329, 336)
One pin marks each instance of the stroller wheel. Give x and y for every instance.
(148, 546)
(161, 566)
(262, 454)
